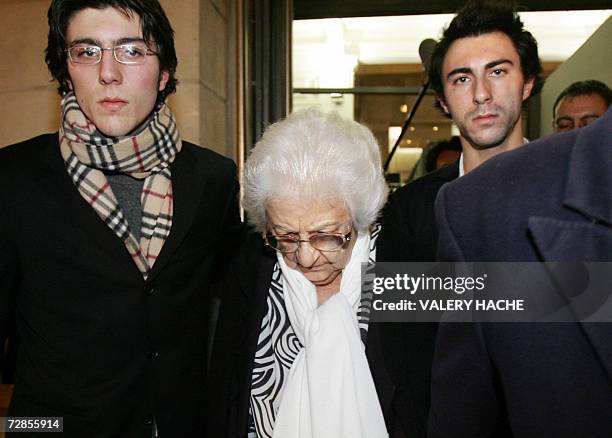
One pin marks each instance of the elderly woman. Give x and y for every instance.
(289, 358)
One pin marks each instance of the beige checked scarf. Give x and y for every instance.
(146, 155)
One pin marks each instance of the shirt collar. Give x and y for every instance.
(462, 170)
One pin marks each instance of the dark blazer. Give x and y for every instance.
(399, 357)
(100, 346)
(550, 200)
(409, 223)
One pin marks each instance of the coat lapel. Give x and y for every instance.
(589, 181)
(588, 191)
(376, 359)
(255, 276)
(187, 186)
(564, 240)
(62, 192)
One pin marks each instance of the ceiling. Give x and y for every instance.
(308, 9)
(325, 48)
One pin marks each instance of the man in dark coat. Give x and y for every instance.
(484, 67)
(110, 233)
(550, 201)
(482, 70)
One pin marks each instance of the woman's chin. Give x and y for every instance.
(322, 278)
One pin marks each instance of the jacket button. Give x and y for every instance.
(148, 420)
(154, 354)
(149, 290)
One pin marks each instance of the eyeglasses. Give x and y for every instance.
(129, 54)
(326, 242)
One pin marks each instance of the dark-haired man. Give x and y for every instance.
(110, 234)
(482, 70)
(580, 104)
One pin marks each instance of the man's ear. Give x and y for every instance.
(443, 104)
(528, 86)
(163, 79)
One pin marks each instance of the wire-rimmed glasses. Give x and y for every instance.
(129, 54)
(326, 242)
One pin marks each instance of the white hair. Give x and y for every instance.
(312, 155)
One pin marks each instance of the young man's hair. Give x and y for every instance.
(156, 31)
(480, 17)
(582, 88)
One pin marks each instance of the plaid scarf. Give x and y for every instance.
(146, 155)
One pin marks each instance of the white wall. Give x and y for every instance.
(593, 60)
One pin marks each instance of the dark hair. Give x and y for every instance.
(431, 159)
(479, 17)
(155, 28)
(581, 88)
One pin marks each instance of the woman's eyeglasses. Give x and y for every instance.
(326, 242)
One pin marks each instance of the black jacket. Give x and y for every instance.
(409, 223)
(399, 355)
(100, 346)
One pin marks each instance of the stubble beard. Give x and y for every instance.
(508, 121)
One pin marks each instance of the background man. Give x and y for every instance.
(528, 379)
(111, 231)
(580, 104)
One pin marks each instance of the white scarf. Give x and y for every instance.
(329, 391)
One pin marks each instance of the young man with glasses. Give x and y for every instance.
(114, 229)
